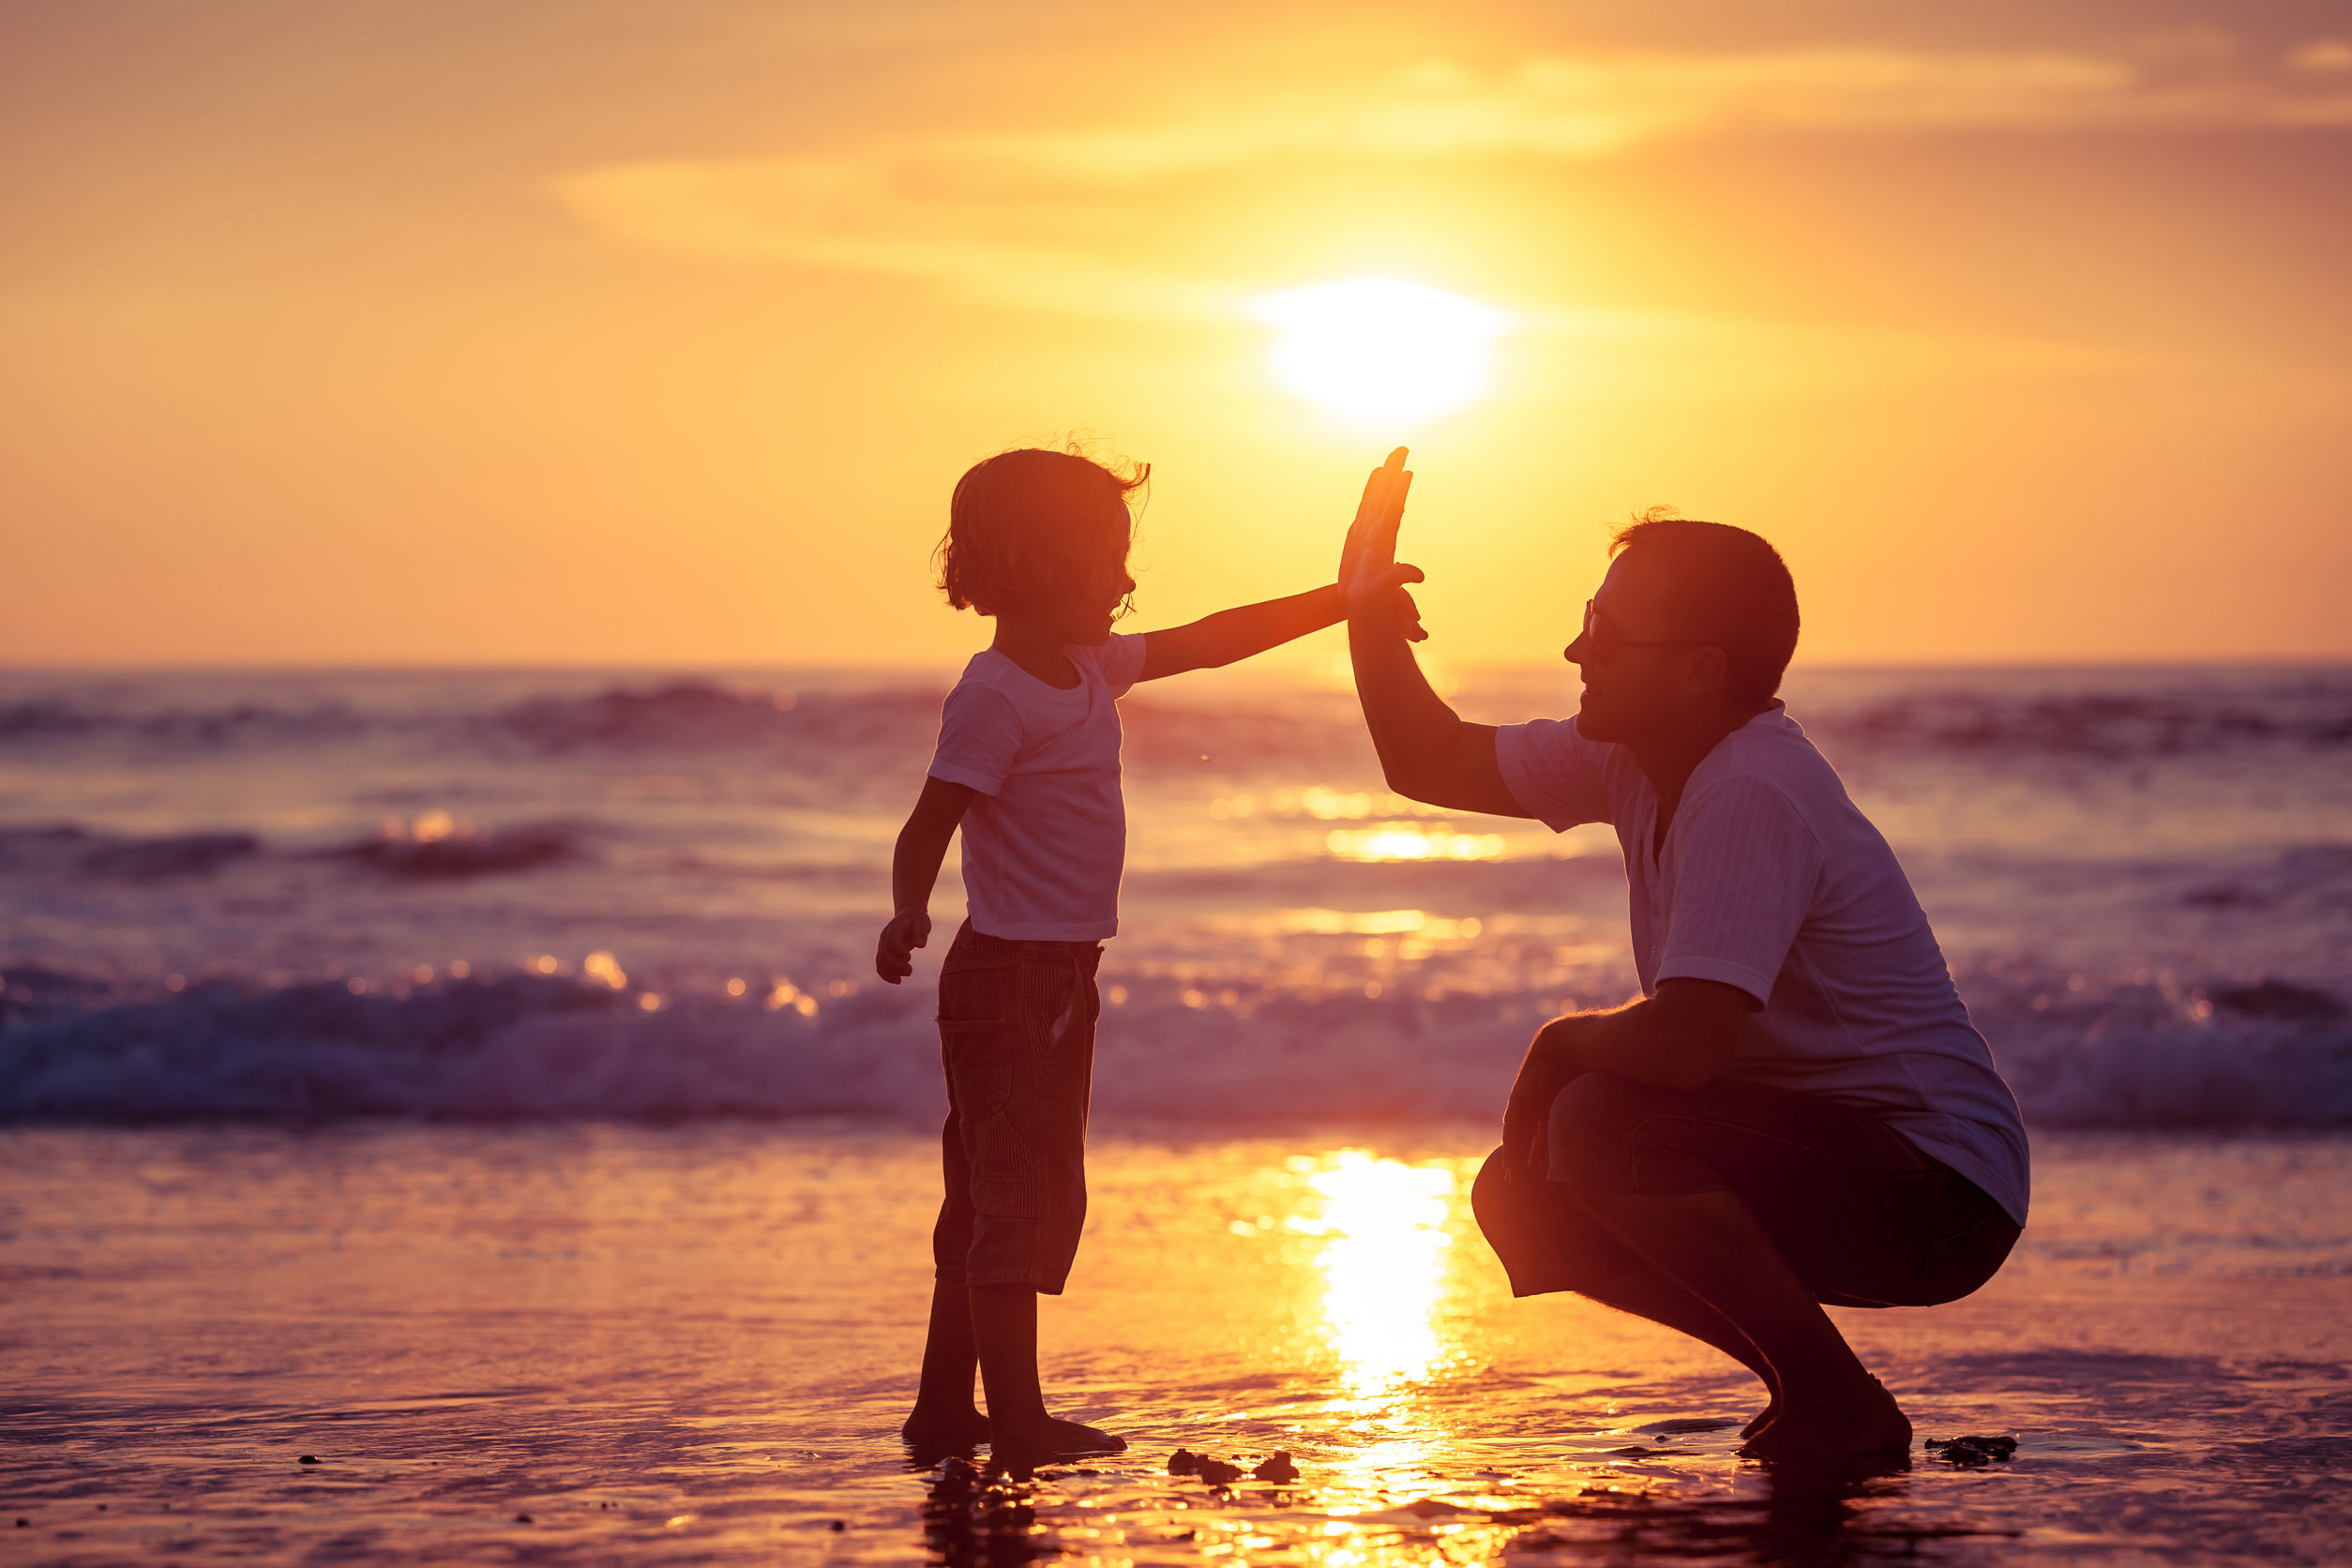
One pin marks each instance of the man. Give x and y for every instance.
(1797, 1110)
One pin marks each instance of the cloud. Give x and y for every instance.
(2322, 56)
(1021, 218)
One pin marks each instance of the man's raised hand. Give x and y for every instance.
(1370, 576)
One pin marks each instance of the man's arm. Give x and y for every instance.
(914, 872)
(1426, 750)
(1681, 1038)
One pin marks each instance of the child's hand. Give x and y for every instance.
(908, 929)
(1369, 575)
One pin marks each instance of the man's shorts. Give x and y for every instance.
(1864, 1218)
(1016, 1037)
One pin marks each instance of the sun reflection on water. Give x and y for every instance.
(1408, 842)
(1384, 1267)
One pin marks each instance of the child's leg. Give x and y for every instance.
(1044, 1186)
(1017, 1028)
(943, 1411)
(1004, 1324)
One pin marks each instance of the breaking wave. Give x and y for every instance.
(2268, 1054)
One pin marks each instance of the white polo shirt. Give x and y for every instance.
(1046, 841)
(1770, 880)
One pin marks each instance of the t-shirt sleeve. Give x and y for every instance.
(1746, 868)
(1554, 772)
(1119, 659)
(979, 737)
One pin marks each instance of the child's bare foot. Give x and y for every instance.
(1053, 1439)
(1867, 1424)
(949, 1428)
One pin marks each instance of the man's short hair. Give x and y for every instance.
(1730, 590)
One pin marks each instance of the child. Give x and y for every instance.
(1028, 762)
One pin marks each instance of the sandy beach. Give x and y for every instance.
(588, 1343)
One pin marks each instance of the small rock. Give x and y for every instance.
(522, 1518)
(840, 1525)
(1973, 1452)
(1184, 1462)
(1216, 1472)
(308, 1459)
(1276, 1468)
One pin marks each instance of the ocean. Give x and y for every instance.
(514, 896)
(452, 1117)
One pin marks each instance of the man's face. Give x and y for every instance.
(1637, 670)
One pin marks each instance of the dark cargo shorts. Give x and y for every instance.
(1016, 1037)
(1864, 1218)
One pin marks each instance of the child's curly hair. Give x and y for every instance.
(1033, 527)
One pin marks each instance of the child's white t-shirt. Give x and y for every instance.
(1045, 842)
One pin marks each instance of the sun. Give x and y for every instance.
(1382, 349)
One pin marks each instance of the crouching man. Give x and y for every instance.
(1797, 1110)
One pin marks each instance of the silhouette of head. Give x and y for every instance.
(1694, 622)
(1044, 536)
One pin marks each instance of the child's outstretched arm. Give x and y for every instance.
(1232, 634)
(913, 869)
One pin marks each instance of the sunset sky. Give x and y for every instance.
(558, 331)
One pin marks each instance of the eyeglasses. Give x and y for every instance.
(1603, 643)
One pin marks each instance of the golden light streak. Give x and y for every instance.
(1404, 841)
(1384, 1267)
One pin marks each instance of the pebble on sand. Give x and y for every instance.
(1277, 1467)
(1216, 1472)
(1973, 1452)
(308, 1459)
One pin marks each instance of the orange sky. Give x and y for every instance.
(568, 330)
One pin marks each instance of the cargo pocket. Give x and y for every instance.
(977, 1038)
(1053, 1003)
(979, 1069)
(1010, 1188)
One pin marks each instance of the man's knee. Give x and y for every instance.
(1610, 1135)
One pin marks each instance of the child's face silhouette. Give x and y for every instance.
(1087, 617)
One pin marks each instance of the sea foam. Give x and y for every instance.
(526, 1046)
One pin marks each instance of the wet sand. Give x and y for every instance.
(592, 1344)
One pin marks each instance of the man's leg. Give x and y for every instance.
(1648, 1292)
(1659, 1169)
(1709, 1242)
(1548, 1241)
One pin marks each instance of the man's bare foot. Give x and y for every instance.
(1764, 1418)
(950, 1429)
(1054, 1440)
(1867, 1425)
